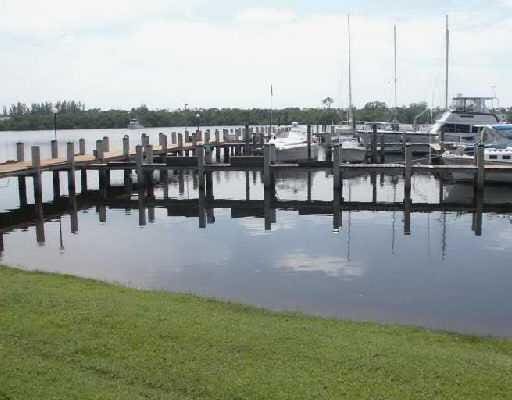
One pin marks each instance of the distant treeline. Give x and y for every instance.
(74, 115)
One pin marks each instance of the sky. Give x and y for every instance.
(226, 53)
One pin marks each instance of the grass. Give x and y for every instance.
(68, 338)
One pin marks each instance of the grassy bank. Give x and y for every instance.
(67, 338)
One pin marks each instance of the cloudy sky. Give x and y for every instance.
(226, 53)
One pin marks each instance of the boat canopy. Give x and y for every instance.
(471, 104)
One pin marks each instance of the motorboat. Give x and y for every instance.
(497, 140)
(461, 123)
(135, 124)
(292, 144)
(352, 151)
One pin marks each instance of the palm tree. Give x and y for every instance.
(328, 102)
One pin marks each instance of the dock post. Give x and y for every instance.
(36, 165)
(139, 158)
(144, 139)
(173, 138)
(200, 165)
(187, 136)
(408, 170)
(309, 141)
(99, 150)
(20, 152)
(217, 136)
(207, 137)
(22, 182)
(71, 168)
(83, 180)
(180, 144)
(382, 149)
(54, 149)
(149, 158)
(225, 150)
(336, 166)
(194, 142)
(267, 169)
(81, 147)
(106, 144)
(374, 144)
(246, 139)
(163, 145)
(126, 155)
(480, 178)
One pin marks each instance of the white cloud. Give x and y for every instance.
(122, 53)
(331, 266)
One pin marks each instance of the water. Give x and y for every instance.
(442, 276)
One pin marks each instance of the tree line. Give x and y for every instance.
(74, 115)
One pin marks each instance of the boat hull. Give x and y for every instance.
(464, 176)
(296, 153)
(420, 142)
(353, 155)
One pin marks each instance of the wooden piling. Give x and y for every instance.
(81, 146)
(217, 136)
(71, 167)
(309, 141)
(336, 166)
(36, 166)
(139, 159)
(106, 144)
(20, 152)
(408, 170)
(480, 179)
(267, 160)
(22, 182)
(173, 138)
(99, 150)
(54, 149)
(382, 148)
(83, 180)
(374, 144)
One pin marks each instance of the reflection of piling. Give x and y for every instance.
(309, 142)
(480, 178)
(22, 182)
(407, 189)
(374, 144)
(382, 149)
(54, 148)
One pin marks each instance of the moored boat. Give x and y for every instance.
(292, 145)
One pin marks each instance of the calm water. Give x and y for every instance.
(441, 276)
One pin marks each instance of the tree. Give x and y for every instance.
(328, 102)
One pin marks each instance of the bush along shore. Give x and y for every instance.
(68, 338)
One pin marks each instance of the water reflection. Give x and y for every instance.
(438, 258)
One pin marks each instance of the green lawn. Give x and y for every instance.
(68, 338)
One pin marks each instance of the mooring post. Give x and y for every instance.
(187, 136)
(83, 180)
(336, 166)
(267, 168)
(54, 149)
(408, 170)
(374, 144)
(194, 142)
(99, 150)
(106, 144)
(309, 141)
(139, 159)
(126, 147)
(81, 147)
(71, 167)
(36, 166)
(164, 146)
(180, 144)
(173, 138)
(20, 152)
(225, 150)
(480, 178)
(382, 149)
(200, 165)
(217, 136)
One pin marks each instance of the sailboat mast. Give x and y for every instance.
(396, 77)
(351, 108)
(447, 62)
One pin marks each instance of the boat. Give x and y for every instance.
(292, 144)
(352, 151)
(461, 123)
(135, 124)
(497, 140)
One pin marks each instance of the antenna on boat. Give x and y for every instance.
(396, 78)
(350, 105)
(271, 107)
(447, 62)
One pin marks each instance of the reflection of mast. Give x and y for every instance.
(443, 237)
(393, 225)
(349, 221)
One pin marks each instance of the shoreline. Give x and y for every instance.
(63, 336)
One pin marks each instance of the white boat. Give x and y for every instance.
(352, 151)
(292, 145)
(135, 124)
(497, 140)
(461, 123)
